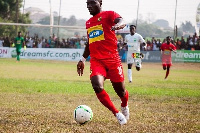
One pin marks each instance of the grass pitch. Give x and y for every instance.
(40, 96)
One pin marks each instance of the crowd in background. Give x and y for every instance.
(189, 43)
(153, 44)
(51, 42)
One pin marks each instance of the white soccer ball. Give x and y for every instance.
(83, 114)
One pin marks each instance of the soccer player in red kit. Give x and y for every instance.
(166, 49)
(105, 62)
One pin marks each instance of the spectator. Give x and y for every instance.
(190, 43)
(77, 44)
(43, 42)
(82, 43)
(178, 44)
(46, 44)
(183, 43)
(39, 43)
(158, 44)
(154, 44)
(1, 42)
(6, 42)
(149, 45)
(29, 44)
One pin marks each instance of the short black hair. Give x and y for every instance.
(168, 37)
(132, 26)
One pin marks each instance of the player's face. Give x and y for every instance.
(19, 34)
(93, 6)
(168, 40)
(132, 30)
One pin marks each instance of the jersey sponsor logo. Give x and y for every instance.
(167, 52)
(96, 33)
(18, 41)
(99, 19)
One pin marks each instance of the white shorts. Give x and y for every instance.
(131, 60)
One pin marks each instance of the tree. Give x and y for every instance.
(161, 23)
(72, 21)
(187, 27)
(8, 10)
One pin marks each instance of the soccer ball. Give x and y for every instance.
(83, 114)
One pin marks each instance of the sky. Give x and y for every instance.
(149, 10)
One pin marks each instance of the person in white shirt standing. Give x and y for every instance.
(133, 42)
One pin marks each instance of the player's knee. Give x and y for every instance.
(164, 68)
(138, 68)
(97, 87)
(121, 93)
(129, 66)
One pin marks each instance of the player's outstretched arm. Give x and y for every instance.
(174, 50)
(81, 63)
(119, 24)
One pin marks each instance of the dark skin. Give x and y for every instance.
(132, 32)
(94, 7)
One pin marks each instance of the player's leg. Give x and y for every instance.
(138, 64)
(164, 64)
(164, 67)
(130, 72)
(129, 63)
(167, 72)
(102, 95)
(119, 88)
(97, 78)
(18, 54)
(97, 84)
(116, 75)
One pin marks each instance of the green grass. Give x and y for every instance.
(40, 96)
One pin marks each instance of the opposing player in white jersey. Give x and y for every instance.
(133, 42)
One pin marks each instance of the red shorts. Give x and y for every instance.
(109, 68)
(166, 61)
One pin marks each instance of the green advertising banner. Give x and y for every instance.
(186, 56)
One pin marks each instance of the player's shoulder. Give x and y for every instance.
(108, 11)
(127, 35)
(172, 44)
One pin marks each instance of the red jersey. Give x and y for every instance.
(166, 48)
(102, 40)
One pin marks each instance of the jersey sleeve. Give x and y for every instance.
(174, 48)
(113, 15)
(141, 39)
(161, 48)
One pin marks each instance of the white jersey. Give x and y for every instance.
(133, 42)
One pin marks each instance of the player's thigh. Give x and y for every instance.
(115, 71)
(18, 50)
(129, 58)
(97, 68)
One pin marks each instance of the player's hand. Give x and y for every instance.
(118, 27)
(80, 67)
(141, 55)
